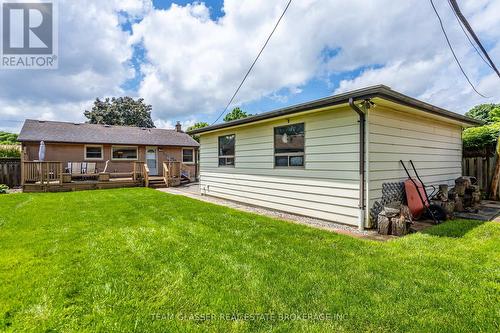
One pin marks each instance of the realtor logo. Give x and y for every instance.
(29, 38)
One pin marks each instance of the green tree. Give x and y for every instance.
(482, 137)
(7, 138)
(495, 114)
(122, 111)
(483, 112)
(237, 113)
(197, 125)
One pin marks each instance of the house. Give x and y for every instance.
(116, 150)
(329, 158)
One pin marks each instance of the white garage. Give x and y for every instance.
(329, 158)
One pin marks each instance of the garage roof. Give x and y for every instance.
(380, 91)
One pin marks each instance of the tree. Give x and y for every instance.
(237, 113)
(495, 114)
(197, 125)
(122, 111)
(483, 112)
(7, 138)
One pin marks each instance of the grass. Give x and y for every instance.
(140, 260)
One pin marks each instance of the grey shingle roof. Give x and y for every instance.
(56, 131)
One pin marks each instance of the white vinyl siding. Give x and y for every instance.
(434, 146)
(328, 185)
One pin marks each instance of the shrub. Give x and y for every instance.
(481, 138)
(3, 189)
(10, 152)
(8, 138)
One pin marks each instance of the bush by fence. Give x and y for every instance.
(10, 151)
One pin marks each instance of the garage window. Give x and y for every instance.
(226, 150)
(289, 146)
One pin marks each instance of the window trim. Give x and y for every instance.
(226, 156)
(85, 158)
(192, 150)
(303, 154)
(125, 159)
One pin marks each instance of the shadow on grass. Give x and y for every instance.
(453, 228)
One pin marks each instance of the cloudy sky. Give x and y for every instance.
(186, 58)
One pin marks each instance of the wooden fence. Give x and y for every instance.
(10, 171)
(480, 167)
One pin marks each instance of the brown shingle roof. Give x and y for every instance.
(56, 131)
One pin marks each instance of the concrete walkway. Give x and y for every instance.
(193, 191)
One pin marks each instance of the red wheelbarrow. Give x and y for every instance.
(418, 199)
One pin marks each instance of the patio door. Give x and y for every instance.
(152, 160)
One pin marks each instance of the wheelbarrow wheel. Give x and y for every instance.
(438, 212)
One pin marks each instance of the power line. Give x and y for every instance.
(12, 120)
(253, 64)
(452, 51)
(457, 11)
(468, 38)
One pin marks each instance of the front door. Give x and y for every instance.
(151, 160)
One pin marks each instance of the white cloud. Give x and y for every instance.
(194, 63)
(94, 57)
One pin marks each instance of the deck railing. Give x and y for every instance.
(185, 170)
(42, 172)
(138, 170)
(172, 172)
(166, 173)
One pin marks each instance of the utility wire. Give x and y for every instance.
(468, 38)
(452, 51)
(12, 121)
(462, 18)
(253, 64)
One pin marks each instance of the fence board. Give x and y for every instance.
(10, 172)
(482, 168)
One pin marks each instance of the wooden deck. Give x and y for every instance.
(56, 186)
(49, 177)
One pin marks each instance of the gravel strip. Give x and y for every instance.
(192, 192)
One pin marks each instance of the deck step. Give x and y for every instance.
(157, 182)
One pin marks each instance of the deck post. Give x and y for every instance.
(22, 166)
(146, 175)
(60, 173)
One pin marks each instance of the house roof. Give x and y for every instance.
(56, 131)
(380, 91)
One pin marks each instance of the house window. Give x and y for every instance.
(226, 150)
(124, 153)
(188, 155)
(289, 146)
(93, 152)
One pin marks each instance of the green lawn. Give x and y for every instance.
(140, 260)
